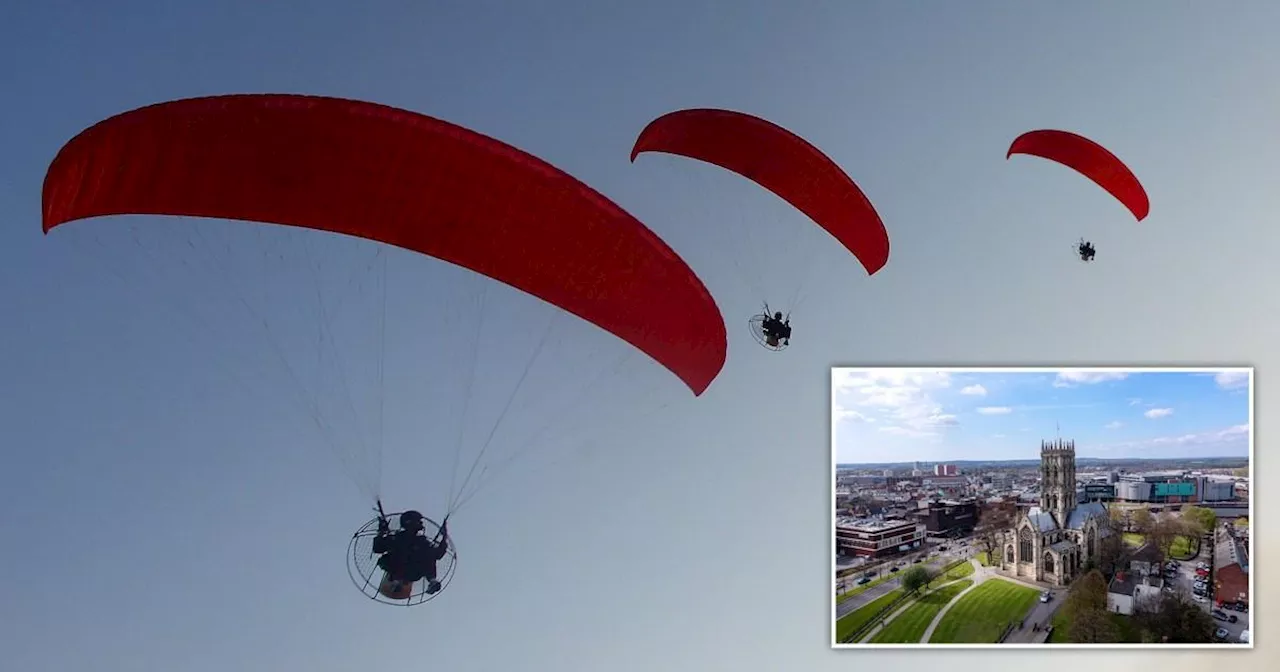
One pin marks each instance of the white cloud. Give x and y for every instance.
(1232, 380)
(1157, 413)
(902, 397)
(850, 415)
(1135, 401)
(994, 410)
(1114, 424)
(997, 436)
(1230, 436)
(1073, 377)
(974, 391)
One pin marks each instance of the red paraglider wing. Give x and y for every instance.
(1089, 159)
(404, 179)
(780, 161)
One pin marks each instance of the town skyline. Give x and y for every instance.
(942, 415)
(1036, 460)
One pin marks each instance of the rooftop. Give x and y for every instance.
(1229, 551)
(871, 524)
(1123, 584)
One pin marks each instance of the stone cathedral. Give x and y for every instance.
(1052, 542)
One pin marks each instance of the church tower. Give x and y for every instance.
(1058, 478)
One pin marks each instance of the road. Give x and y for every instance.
(1185, 579)
(956, 551)
(1040, 615)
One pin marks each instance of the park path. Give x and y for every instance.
(909, 603)
(980, 575)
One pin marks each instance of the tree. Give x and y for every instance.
(1163, 531)
(1202, 519)
(1141, 521)
(915, 578)
(1111, 548)
(1121, 518)
(1086, 611)
(1174, 619)
(993, 521)
(1093, 627)
(1089, 593)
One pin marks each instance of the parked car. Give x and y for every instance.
(1221, 634)
(864, 581)
(1199, 598)
(1224, 616)
(1046, 596)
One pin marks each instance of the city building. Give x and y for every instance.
(1052, 542)
(1001, 482)
(877, 537)
(1216, 490)
(1127, 590)
(946, 485)
(1096, 492)
(945, 470)
(1147, 561)
(1128, 490)
(1173, 488)
(1230, 568)
(948, 518)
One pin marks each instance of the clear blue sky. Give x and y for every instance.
(930, 415)
(161, 513)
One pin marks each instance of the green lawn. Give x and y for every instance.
(984, 558)
(861, 616)
(909, 627)
(1134, 539)
(1129, 634)
(952, 574)
(1183, 548)
(1242, 522)
(858, 589)
(981, 616)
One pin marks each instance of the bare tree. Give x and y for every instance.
(1175, 619)
(1121, 518)
(1163, 531)
(1142, 521)
(1111, 548)
(993, 521)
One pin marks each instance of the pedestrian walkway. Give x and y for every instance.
(909, 603)
(906, 605)
(979, 577)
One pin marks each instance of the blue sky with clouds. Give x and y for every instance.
(902, 415)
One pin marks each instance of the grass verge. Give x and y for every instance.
(909, 626)
(981, 616)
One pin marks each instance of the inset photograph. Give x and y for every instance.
(1072, 507)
